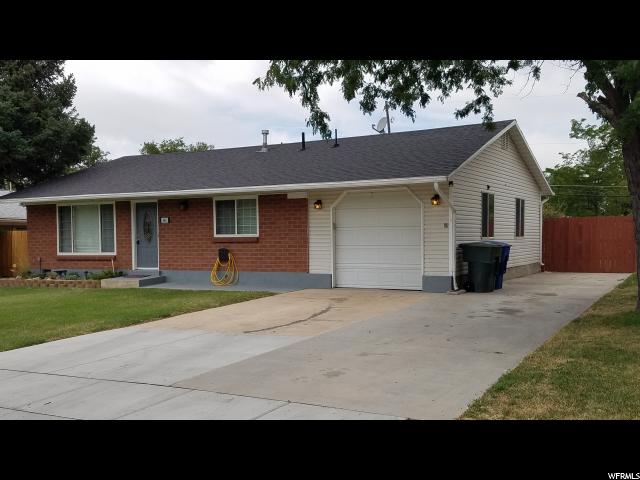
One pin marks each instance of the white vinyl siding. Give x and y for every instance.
(509, 178)
(436, 234)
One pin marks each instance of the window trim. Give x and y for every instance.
(492, 194)
(236, 198)
(520, 209)
(87, 254)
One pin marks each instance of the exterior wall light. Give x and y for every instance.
(435, 200)
(317, 204)
(183, 205)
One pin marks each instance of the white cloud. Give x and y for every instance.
(130, 102)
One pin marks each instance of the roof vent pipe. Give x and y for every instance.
(264, 140)
(303, 145)
(336, 144)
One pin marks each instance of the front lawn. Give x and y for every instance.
(35, 315)
(589, 370)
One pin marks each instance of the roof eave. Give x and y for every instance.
(229, 191)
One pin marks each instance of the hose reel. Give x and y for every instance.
(224, 261)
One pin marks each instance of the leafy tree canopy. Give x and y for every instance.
(41, 135)
(172, 146)
(590, 181)
(96, 156)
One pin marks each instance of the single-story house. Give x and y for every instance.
(377, 211)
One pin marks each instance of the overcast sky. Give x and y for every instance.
(131, 102)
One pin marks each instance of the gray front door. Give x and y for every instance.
(146, 235)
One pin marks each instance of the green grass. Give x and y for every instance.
(35, 315)
(589, 370)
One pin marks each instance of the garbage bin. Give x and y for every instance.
(483, 259)
(504, 258)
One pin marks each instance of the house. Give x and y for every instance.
(13, 225)
(378, 211)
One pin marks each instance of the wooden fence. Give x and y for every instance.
(589, 244)
(13, 251)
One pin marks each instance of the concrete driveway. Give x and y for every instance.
(325, 354)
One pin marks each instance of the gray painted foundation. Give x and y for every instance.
(521, 271)
(268, 281)
(436, 284)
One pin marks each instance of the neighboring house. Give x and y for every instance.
(353, 213)
(13, 222)
(12, 215)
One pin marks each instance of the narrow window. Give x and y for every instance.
(519, 217)
(487, 214)
(238, 217)
(64, 229)
(107, 228)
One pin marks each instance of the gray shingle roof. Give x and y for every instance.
(11, 211)
(419, 153)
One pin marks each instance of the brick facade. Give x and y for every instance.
(187, 242)
(42, 238)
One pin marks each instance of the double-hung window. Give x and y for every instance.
(519, 217)
(236, 217)
(88, 229)
(487, 214)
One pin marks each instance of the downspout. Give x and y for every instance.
(542, 202)
(452, 234)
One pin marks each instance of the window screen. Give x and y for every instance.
(236, 217)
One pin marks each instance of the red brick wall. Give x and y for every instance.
(187, 242)
(41, 224)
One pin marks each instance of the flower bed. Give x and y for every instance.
(48, 282)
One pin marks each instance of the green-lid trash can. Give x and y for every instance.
(483, 262)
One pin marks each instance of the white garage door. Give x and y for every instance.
(377, 241)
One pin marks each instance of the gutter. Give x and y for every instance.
(452, 234)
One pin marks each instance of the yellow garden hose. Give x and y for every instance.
(230, 275)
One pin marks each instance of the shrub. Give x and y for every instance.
(24, 274)
(73, 276)
(104, 274)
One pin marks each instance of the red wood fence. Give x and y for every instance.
(589, 244)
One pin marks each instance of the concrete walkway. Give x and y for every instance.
(325, 354)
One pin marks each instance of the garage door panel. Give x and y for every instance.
(370, 256)
(391, 237)
(377, 217)
(379, 278)
(378, 241)
(390, 199)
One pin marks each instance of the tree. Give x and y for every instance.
(588, 181)
(612, 92)
(96, 156)
(172, 146)
(41, 135)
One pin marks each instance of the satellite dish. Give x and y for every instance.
(382, 123)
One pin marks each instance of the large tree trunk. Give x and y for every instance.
(631, 155)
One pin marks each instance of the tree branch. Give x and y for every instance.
(599, 108)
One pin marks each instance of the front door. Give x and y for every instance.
(146, 235)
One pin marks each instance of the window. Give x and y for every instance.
(519, 217)
(487, 214)
(236, 217)
(88, 229)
